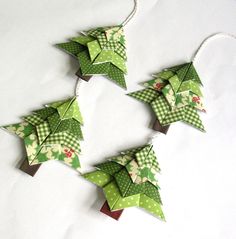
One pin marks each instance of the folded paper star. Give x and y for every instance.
(130, 180)
(100, 51)
(52, 133)
(174, 95)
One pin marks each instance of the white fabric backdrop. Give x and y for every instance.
(198, 177)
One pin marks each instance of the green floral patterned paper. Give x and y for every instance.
(129, 179)
(52, 133)
(100, 51)
(174, 95)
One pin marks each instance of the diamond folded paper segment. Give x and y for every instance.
(52, 132)
(174, 95)
(100, 51)
(129, 179)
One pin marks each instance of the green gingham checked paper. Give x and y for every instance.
(131, 152)
(167, 116)
(43, 130)
(65, 139)
(146, 157)
(33, 119)
(100, 51)
(121, 50)
(146, 95)
(102, 39)
(191, 117)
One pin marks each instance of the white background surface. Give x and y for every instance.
(198, 180)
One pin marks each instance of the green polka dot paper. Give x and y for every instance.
(120, 190)
(68, 109)
(116, 201)
(100, 178)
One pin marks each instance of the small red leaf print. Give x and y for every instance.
(158, 86)
(196, 99)
(68, 153)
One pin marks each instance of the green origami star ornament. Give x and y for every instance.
(100, 51)
(174, 95)
(52, 133)
(130, 180)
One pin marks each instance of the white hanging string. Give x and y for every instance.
(77, 86)
(152, 137)
(207, 40)
(131, 15)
